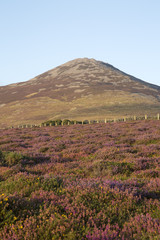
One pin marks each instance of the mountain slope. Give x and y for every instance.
(79, 89)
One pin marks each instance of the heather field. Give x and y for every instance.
(98, 181)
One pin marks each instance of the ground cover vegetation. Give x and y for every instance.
(98, 181)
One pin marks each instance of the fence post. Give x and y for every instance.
(145, 117)
(158, 116)
(124, 119)
(82, 122)
(114, 119)
(62, 123)
(135, 118)
(105, 121)
(89, 121)
(75, 122)
(97, 121)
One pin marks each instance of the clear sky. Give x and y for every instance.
(38, 35)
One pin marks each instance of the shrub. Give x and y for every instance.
(58, 121)
(13, 158)
(66, 121)
(10, 158)
(6, 214)
(2, 161)
(49, 122)
(52, 184)
(60, 147)
(43, 149)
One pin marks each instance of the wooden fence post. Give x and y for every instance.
(89, 121)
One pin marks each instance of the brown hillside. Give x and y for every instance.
(79, 89)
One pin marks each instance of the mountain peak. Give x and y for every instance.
(78, 61)
(81, 88)
(85, 60)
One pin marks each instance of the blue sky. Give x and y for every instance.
(38, 35)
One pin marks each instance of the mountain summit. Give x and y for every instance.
(79, 89)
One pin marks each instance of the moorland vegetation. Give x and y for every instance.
(97, 181)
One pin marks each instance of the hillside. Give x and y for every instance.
(79, 89)
(98, 181)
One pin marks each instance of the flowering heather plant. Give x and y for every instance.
(97, 181)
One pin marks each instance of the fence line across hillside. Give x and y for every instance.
(82, 122)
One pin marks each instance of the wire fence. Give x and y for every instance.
(60, 122)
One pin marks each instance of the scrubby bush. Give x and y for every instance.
(43, 149)
(6, 214)
(52, 184)
(66, 121)
(13, 158)
(58, 121)
(10, 158)
(49, 122)
(53, 122)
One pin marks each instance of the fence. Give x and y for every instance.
(74, 122)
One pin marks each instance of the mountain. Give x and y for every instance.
(79, 89)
